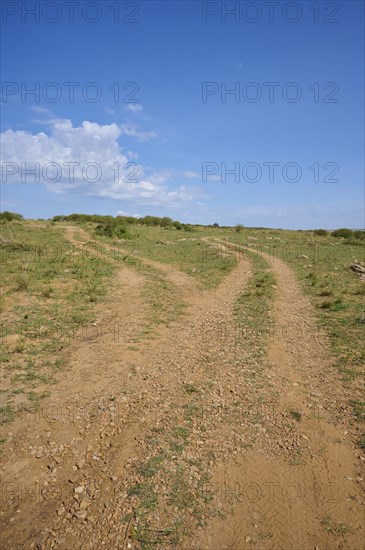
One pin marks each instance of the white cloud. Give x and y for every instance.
(122, 213)
(134, 107)
(86, 158)
(191, 174)
(109, 111)
(39, 109)
(130, 129)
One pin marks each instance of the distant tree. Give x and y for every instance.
(320, 232)
(238, 227)
(215, 224)
(166, 222)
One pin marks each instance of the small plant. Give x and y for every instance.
(334, 527)
(338, 305)
(312, 278)
(151, 467)
(320, 232)
(297, 415)
(47, 292)
(325, 292)
(6, 413)
(22, 282)
(358, 409)
(189, 388)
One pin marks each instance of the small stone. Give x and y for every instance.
(61, 510)
(80, 514)
(248, 539)
(80, 463)
(85, 503)
(79, 489)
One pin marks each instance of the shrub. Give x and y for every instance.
(109, 229)
(10, 216)
(320, 232)
(165, 222)
(359, 234)
(238, 228)
(105, 229)
(342, 233)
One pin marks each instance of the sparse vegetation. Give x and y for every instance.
(335, 527)
(51, 292)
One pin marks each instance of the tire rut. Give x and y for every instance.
(91, 433)
(307, 481)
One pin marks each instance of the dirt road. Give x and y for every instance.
(192, 438)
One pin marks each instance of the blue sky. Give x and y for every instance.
(292, 132)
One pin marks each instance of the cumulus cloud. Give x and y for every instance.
(87, 159)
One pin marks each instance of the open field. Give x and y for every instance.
(181, 388)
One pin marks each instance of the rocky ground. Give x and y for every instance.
(223, 430)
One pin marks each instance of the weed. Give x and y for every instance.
(190, 388)
(296, 415)
(333, 527)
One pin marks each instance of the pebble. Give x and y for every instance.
(80, 514)
(80, 463)
(61, 510)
